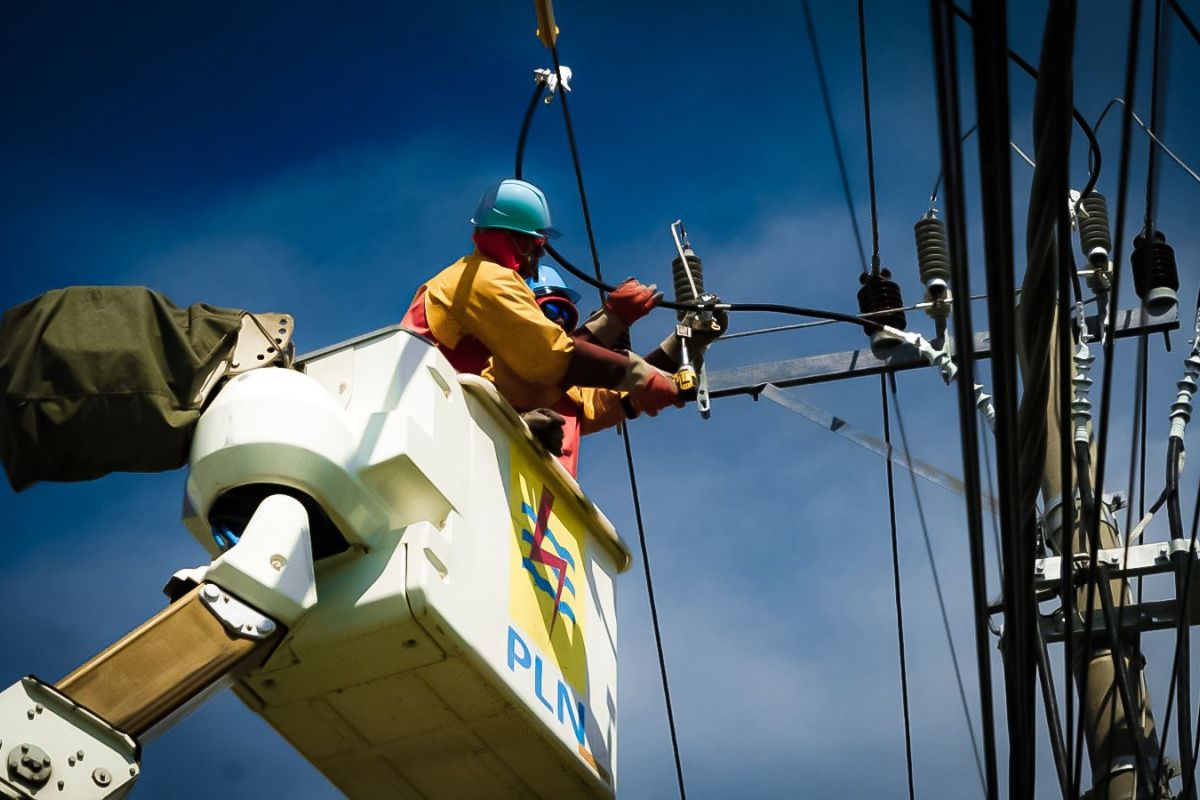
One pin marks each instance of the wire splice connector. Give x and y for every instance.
(1155, 276)
(933, 262)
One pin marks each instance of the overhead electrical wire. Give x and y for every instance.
(1094, 155)
(937, 582)
(891, 490)
(833, 132)
(866, 96)
(1153, 137)
(599, 284)
(989, 36)
(945, 70)
(1182, 16)
(1093, 523)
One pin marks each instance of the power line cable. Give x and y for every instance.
(989, 36)
(887, 438)
(833, 132)
(866, 93)
(1150, 133)
(945, 73)
(1182, 16)
(1093, 523)
(937, 582)
(587, 218)
(1094, 155)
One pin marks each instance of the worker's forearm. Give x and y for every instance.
(592, 365)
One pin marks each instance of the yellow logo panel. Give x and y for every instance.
(549, 580)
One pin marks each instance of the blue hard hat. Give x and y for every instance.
(548, 282)
(515, 206)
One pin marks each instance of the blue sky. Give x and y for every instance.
(323, 162)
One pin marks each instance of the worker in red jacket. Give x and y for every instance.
(480, 307)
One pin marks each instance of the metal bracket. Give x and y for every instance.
(1145, 559)
(51, 746)
(264, 339)
(550, 78)
(243, 620)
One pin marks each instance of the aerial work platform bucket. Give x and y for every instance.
(463, 641)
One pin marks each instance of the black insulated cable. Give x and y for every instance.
(833, 132)
(989, 34)
(866, 94)
(891, 489)
(538, 89)
(1182, 16)
(1094, 155)
(597, 280)
(1106, 381)
(937, 581)
(945, 72)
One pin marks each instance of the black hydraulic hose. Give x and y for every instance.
(1094, 156)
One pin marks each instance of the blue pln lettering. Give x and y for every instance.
(514, 639)
(537, 684)
(564, 701)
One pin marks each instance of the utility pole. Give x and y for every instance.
(1113, 740)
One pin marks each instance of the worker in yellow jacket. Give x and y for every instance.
(480, 308)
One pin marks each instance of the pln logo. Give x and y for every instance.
(550, 565)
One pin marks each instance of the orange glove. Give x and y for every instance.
(632, 300)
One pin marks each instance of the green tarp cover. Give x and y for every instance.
(100, 379)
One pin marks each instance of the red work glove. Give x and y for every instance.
(632, 300)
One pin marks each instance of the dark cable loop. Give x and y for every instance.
(866, 84)
(837, 144)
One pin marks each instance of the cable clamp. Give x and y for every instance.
(550, 78)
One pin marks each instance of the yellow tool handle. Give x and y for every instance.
(685, 378)
(547, 31)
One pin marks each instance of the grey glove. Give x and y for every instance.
(547, 427)
(702, 336)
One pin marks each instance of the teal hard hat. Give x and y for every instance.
(515, 206)
(549, 282)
